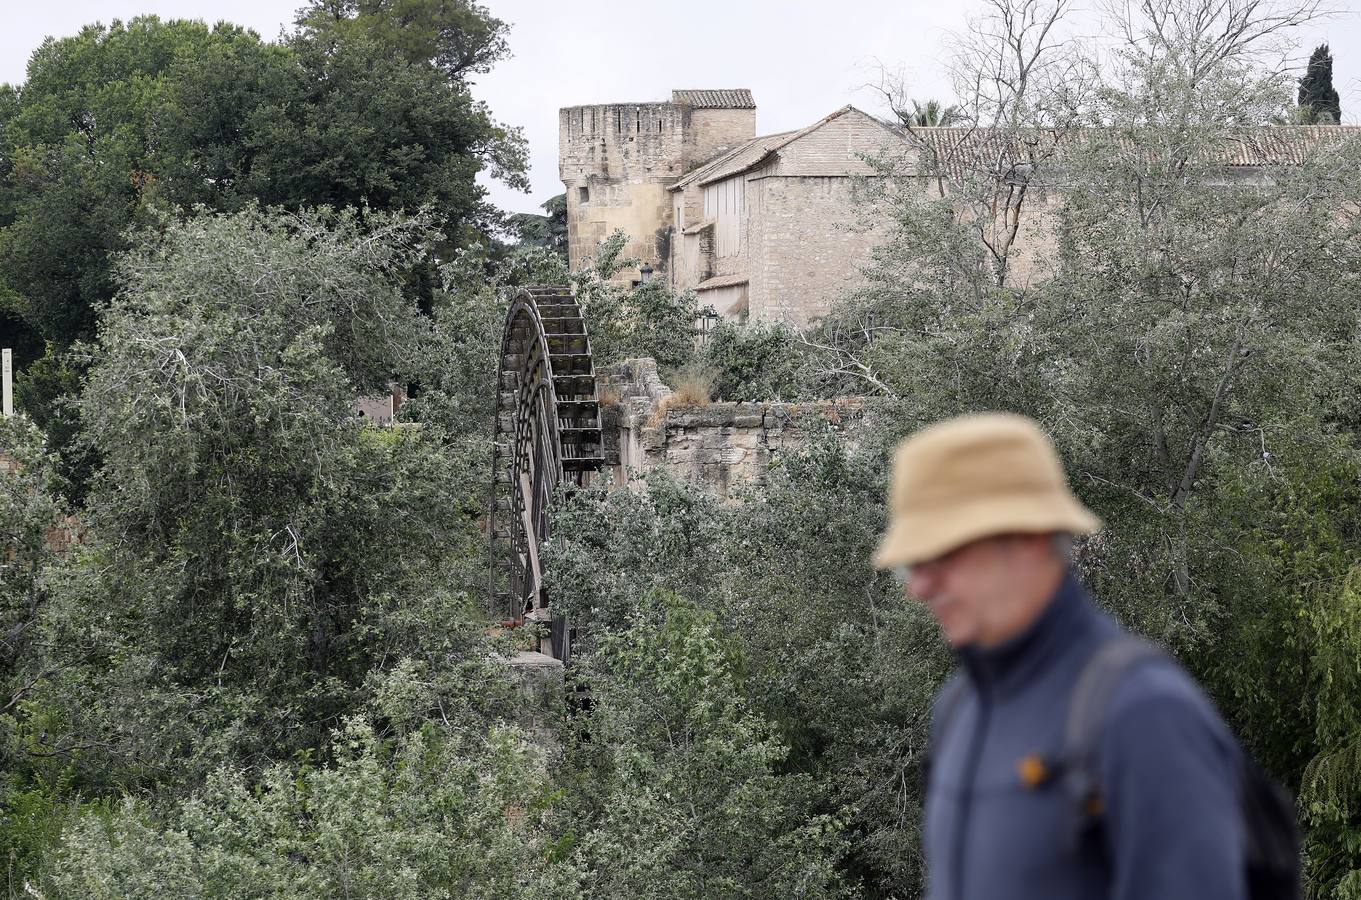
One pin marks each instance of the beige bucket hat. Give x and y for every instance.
(973, 477)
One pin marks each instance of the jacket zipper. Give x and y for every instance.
(973, 760)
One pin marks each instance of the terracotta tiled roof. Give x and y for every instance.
(739, 98)
(1282, 145)
(753, 153)
(719, 281)
(956, 151)
(735, 160)
(961, 150)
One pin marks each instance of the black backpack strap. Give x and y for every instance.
(1271, 829)
(1087, 706)
(1271, 826)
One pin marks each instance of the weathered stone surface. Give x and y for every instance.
(617, 161)
(718, 445)
(762, 227)
(539, 679)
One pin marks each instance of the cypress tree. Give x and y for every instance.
(1318, 99)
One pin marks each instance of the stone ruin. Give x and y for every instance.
(716, 445)
(719, 446)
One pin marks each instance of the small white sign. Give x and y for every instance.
(7, 378)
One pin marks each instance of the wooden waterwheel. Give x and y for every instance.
(547, 435)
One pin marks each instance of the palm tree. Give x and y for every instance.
(931, 114)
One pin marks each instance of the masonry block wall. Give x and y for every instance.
(1034, 256)
(807, 235)
(717, 445)
(715, 131)
(617, 160)
(808, 247)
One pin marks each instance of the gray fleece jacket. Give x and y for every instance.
(1169, 828)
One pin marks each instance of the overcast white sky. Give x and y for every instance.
(801, 58)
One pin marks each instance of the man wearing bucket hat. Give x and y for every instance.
(1021, 803)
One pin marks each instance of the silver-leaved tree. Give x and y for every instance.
(1169, 283)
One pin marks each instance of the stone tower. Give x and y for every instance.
(617, 160)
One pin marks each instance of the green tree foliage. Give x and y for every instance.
(1185, 321)
(29, 509)
(264, 671)
(1286, 660)
(446, 811)
(455, 369)
(754, 362)
(30, 513)
(1240, 332)
(32, 811)
(77, 142)
(386, 116)
(643, 319)
(17, 335)
(1189, 338)
(680, 794)
(838, 661)
(1331, 789)
(267, 551)
(548, 231)
(458, 37)
(259, 568)
(831, 659)
(46, 391)
(1318, 101)
(364, 103)
(931, 114)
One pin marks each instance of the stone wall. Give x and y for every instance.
(806, 238)
(617, 160)
(715, 131)
(1032, 257)
(837, 146)
(785, 223)
(718, 445)
(810, 240)
(808, 246)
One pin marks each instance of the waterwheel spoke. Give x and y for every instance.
(547, 433)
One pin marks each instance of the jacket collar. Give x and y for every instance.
(1004, 669)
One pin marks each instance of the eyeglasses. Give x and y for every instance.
(903, 573)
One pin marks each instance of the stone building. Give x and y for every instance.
(617, 161)
(770, 231)
(762, 227)
(766, 228)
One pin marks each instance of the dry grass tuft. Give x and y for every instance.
(694, 387)
(608, 396)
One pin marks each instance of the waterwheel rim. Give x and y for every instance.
(547, 434)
